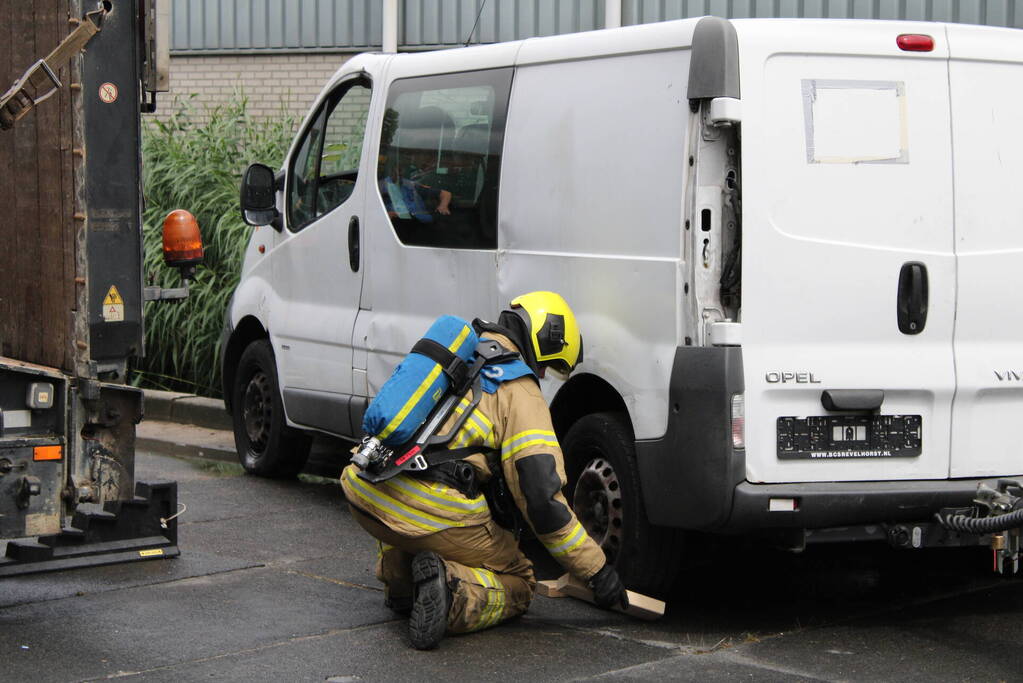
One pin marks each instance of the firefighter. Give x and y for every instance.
(446, 555)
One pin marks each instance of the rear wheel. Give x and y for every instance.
(266, 445)
(603, 488)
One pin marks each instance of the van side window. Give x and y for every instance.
(440, 158)
(325, 167)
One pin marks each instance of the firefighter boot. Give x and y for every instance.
(431, 601)
(401, 604)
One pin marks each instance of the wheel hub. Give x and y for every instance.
(597, 501)
(257, 410)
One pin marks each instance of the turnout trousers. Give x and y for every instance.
(491, 580)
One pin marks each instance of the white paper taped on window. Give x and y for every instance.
(855, 122)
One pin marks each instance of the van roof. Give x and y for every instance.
(665, 35)
(605, 42)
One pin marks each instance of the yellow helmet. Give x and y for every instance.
(552, 329)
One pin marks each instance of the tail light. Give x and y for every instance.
(738, 421)
(182, 243)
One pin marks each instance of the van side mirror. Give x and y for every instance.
(258, 200)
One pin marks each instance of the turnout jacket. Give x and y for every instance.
(516, 421)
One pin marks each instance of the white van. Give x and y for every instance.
(794, 248)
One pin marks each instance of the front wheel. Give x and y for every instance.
(266, 445)
(603, 488)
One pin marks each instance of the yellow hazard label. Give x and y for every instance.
(113, 306)
(155, 552)
(113, 296)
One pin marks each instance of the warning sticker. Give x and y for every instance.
(113, 306)
(108, 93)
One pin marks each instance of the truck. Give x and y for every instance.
(791, 246)
(71, 286)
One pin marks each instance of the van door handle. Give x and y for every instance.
(353, 243)
(911, 305)
(862, 400)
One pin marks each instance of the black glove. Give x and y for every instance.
(608, 589)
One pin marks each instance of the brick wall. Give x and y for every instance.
(269, 81)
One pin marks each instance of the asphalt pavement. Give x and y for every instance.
(275, 583)
(184, 425)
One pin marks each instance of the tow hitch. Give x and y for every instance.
(995, 519)
(998, 514)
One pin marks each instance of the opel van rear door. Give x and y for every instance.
(848, 264)
(985, 76)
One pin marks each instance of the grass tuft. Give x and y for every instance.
(218, 468)
(194, 161)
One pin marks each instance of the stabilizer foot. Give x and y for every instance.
(123, 531)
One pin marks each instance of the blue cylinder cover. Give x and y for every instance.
(417, 384)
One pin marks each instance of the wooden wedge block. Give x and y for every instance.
(640, 606)
(549, 589)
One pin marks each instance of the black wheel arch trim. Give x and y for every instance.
(226, 334)
(688, 476)
(233, 342)
(585, 394)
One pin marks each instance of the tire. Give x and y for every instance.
(266, 446)
(603, 490)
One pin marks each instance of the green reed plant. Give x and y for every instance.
(194, 160)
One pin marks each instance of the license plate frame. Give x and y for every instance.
(830, 437)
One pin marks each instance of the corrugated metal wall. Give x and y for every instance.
(444, 23)
(991, 12)
(351, 25)
(232, 25)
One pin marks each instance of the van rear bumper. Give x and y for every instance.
(832, 504)
(692, 477)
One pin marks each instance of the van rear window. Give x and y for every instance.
(440, 158)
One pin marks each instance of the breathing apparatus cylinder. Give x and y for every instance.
(419, 382)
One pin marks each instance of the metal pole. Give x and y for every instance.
(390, 28)
(612, 13)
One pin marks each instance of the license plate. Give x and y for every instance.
(825, 437)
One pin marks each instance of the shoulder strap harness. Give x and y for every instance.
(426, 448)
